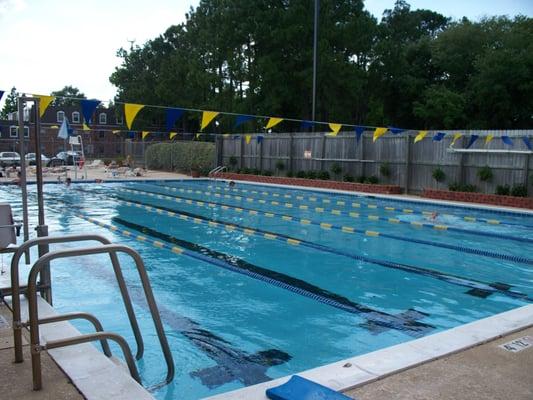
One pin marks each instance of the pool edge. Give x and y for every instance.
(356, 371)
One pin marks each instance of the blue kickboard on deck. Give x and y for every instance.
(298, 388)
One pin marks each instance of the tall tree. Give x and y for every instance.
(67, 96)
(11, 103)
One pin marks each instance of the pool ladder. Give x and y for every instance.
(213, 173)
(41, 268)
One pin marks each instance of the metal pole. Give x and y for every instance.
(22, 181)
(315, 56)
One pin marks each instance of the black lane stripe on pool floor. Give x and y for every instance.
(377, 321)
(476, 288)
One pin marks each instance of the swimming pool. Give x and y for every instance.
(257, 282)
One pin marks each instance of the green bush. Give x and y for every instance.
(457, 187)
(503, 190)
(519, 191)
(233, 162)
(384, 169)
(485, 174)
(372, 180)
(267, 173)
(311, 175)
(246, 171)
(255, 171)
(280, 165)
(289, 174)
(336, 169)
(439, 175)
(361, 179)
(348, 178)
(181, 156)
(301, 174)
(324, 175)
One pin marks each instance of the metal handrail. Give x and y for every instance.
(109, 249)
(216, 170)
(15, 287)
(79, 315)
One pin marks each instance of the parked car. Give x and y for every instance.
(30, 158)
(9, 158)
(65, 158)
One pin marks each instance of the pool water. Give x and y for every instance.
(257, 282)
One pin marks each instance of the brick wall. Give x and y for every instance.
(317, 183)
(509, 201)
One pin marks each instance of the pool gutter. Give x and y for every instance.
(356, 371)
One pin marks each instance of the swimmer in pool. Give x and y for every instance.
(231, 184)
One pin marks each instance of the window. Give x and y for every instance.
(102, 118)
(60, 116)
(120, 120)
(14, 131)
(75, 117)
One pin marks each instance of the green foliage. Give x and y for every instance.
(181, 156)
(67, 91)
(311, 175)
(267, 173)
(324, 175)
(361, 179)
(289, 174)
(233, 162)
(301, 174)
(255, 171)
(384, 169)
(519, 191)
(348, 178)
(457, 187)
(11, 103)
(439, 175)
(280, 165)
(372, 180)
(246, 171)
(503, 190)
(485, 174)
(336, 169)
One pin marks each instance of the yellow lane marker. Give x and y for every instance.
(372, 206)
(371, 233)
(303, 207)
(493, 221)
(249, 232)
(336, 212)
(347, 229)
(158, 244)
(293, 242)
(470, 219)
(270, 215)
(356, 205)
(440, 227)
(286, 218)
(270, 236)
(177, 250)
(319, 209)
(373, 218)
(407, 211)
(325, 225)
(354, 215)
(417, 224)
(394, 220)
(305, 221)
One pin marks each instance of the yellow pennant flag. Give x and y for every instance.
(272, 122)
(207, 117)
(489, 138)
(172, 135)
(144, 134)
(248, 138)
(456, 137)
(197, 136)
(131, 111)
(43, 103)
(86, 127)
(335, 128)
(421, 135)
(116, 132)
(378, 133)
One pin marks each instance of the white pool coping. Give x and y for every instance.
(397, 197)
(94, 375)
(356, 371)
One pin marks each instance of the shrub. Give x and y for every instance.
(246, 171)
(289, 174)
(280, 165)
(267, 173)
(519, 191)
(457, 187)
(311, 175)
(439, 175)
(181, 156)
(361, 179)
(233, 162)
(348, 178)
(301, 174)
(336, 169)
(255, 171)
(372, 180)
(324, 175)
(503, 190)
(384, 169)
(485, 174)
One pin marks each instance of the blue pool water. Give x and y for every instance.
(273, 281)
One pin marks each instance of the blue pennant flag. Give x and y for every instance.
(235, 137)
(131, 135)
(507, 140)
(307, 124)
(260, 138)
(438, 136)
(1, 94)
(87, 109)
(527, 142)
(173, 114)
(241, 119)
(359, 130)
(395, 131)
(65, 130)
(473, 138)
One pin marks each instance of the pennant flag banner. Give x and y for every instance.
(456, 137)
(335, 128)
(272, 122)
(235, 137)
(197, 136)
(359, 130)
(379, 132)
(527, 142)
(241, 119)
(248, 138)
(144, 134)
(207, 117)
(307, 124)
(131, 135)
(1, 94)
(438, 136)
(507, 140)
(116, 132)
(489, 138)
(44, 102)
(260, 138)
(87, 109)
(421, 135)
(65, 131)
(131, 111)
(173, 114)
(85, 127)
(473, 138)
(172, 135)
(395, 131)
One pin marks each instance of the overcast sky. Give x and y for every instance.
(45, 45)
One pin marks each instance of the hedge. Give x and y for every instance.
(181, 157)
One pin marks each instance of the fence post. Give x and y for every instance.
(526, 172)
(462, 172)
(219, 141)
(241, 153)
(407, 162)
(291, 143)
(261, 155)
(362, 156)
(323, 153)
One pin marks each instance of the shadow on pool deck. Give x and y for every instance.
(483, 372)
(16, 380)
